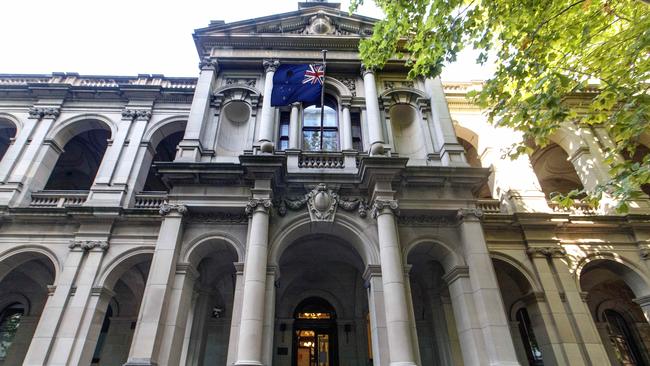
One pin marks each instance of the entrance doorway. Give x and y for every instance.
(315, 334)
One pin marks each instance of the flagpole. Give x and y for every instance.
(322, 101)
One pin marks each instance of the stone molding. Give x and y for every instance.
(546, 252)
(87, 245)
(469, 214)
(188, 270)
(365, 69)
(426, 220)
(372, 270)
(219, 217)
(167, 208)
(136, 114)
(209, 64)
(252, 205)
(270, 65)
(99, 291)
(643, 300)
(456, 273)
(380, 205)
(533, 298)
(644, 253)
(322, 203)
(44, 112)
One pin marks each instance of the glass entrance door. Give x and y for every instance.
(313, 348)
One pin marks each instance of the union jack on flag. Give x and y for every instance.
(314, 75)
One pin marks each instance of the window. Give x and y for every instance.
(625, 347)
(317, 136)
(283, 140)
(357, 142)
(9, 322)
(533, 352)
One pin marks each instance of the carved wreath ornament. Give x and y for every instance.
(322, 204)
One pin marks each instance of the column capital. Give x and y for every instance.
(296, 104)
(136, 114)
(87, 245)
(99, 291)
(456, 273)
(208, 63)
(44, 112)
(642, 300)
(167, 208)
(188, 270)
(546, 252)
(270, 65)
(372, 270)
(383, 206)
(644, 253)
(367, 70)
(256, 204)
(469, 214)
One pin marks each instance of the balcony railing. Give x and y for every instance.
(578, 208)
(318, 160)
(489, 205)
(150, 200)
(58, 198)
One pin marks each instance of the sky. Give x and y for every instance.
(130, 37)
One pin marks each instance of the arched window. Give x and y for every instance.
(320, 135)
(625, 347)
(9, 322)
(533, 353)
(7, 132)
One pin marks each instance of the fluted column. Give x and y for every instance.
(151, 319)
(249, 351)
(190, 147)
(268, 116)
(375, 130)
(294, 126)
(400, 340)
(346, 128)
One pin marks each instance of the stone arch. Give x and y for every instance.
(347, 229)
(568, 139)
(16, 256)
(339, 89)
(520, 268)
(157, 131)
(291, 304)
(121, 264)
(632, 275)
(440, 252)
(12, 298)
(67, 129)
(199, 247)
(11, 119)
(8, 132)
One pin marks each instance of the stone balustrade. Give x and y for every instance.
(150, 200)
(58, 198)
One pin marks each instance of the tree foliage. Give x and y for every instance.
(585, 62)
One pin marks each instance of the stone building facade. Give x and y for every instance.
(152, 220)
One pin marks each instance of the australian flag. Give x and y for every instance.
(297, 83)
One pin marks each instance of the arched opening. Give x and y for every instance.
(474, 161)
(165, 151)
(523, 311)
(212, 305)
(315, 333)
(641, 152)
(77, 166)
(7, 133)
(114, 333)
(321, 134)
(438, 342)
(321, 305)
(554, 171)
(23, 294)
(408, 138)
(611, 289)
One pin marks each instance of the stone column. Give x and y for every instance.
(88, 335)
(567, 342)
(465, 313)
(249, 350)
(413, 325)
(113, 150)
(375, 129)
(294, 126)
(190, 147)
(267, 124)
(574, 302)
(487, 296)
(236, 314)
(543, 324)
(451, 152)
(52, 314)
(398, 324)
(269, 317)
(178, 308)
(125, 165)
(196, 344)
(151, 319)
(346, 128)
(376, 308)
(16, 148)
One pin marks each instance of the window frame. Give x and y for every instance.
(329, 102)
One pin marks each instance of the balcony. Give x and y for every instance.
(150, 200)
(321, 161)
(489, 205)
(58, 199)
(578, 208)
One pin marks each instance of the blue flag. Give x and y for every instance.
(297, 83)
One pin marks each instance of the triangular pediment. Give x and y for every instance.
(317, 21)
